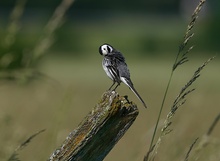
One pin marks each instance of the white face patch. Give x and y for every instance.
(106, 49)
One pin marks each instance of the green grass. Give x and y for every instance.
(74, 81)
(60, 101)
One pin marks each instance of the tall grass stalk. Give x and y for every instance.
(14, 155)
(190, 149)
(18, 63)
(178, 102)
(8, 56)
(206, 139)
(14, 24)
(53, 24)
(180, 59)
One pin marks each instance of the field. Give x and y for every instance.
(58, 102)
(70, 82)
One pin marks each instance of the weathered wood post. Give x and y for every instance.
(100, 130)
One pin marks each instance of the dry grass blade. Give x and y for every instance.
(194, 18)
(213, 125)
(182, 56)
(146, 157)
(205, 139)
(179, 101)
(55, 22)
(14, 25)
(181, 98)
(190, 149)
(16, 62)
(180, 59)
(14, 155)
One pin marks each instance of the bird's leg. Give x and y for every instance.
(116, 86)
(111, 86)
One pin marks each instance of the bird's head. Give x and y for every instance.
(106, 49)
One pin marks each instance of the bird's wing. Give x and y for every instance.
(113, 70)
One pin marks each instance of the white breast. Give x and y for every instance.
(107, 71)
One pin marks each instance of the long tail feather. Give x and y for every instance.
(130, 85)
(138, 96)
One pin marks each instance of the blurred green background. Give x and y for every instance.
(56, 85)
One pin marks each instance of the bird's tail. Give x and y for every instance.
(130, 85)
(138, 96)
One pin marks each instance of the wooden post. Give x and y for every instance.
(100, 130)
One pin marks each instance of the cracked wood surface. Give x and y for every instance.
(99, 131)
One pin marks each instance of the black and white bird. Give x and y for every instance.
(116, 68)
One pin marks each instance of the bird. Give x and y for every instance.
(116, 68)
